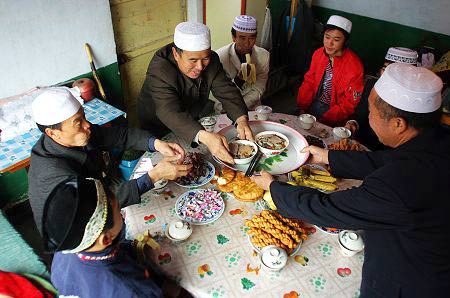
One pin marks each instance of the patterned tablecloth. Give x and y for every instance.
(19, 148)
(218, 261)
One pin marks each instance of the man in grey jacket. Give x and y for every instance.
(71, 146)
(175, 92)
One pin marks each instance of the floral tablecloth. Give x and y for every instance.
(218, 261)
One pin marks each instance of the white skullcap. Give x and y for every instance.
(340, 22)
(410, 88)
(192, 36)
(244, 23)
(54, 105)
(402, 55)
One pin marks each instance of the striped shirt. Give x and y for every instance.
(327, 83)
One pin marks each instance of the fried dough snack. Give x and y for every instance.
(345, 145)
(270, 228)
(244, 188)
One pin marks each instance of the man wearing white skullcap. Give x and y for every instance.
(175, 92)
(359, 121)
(332, 87)
(71, 146)
(252, 84)
(403, 204)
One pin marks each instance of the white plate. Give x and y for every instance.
(294, 252)
(210, 171)
(186, 198)
(286, 162)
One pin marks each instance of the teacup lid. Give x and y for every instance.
(160, 184)
(207, 121)
(342, 132)
(263, 109)
(179, 230)
(274, 257)
(351, 240)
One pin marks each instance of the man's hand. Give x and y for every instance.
(168, 169)
(243, 129)
(217, 145)
(264, 180)
(170, 149)
(352, 126)
(318, 155)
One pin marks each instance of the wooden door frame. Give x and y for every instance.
(243, 9)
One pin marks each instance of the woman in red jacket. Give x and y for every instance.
(333, 85)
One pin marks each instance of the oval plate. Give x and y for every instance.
(286, 162)
(210, 172)
(185, 198)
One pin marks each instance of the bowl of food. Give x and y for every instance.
(263, 112)
(271, 143)
(306, 121)
(243, 151)
(340, 133)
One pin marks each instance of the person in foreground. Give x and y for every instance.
(403, 203)
(83, 225)
(71, 146)
(175, 92)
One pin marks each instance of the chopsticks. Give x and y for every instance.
(253, 164)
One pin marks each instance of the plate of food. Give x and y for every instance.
(285, 161)
(202, 171)
(315, 141)
(313, 176)
(200, 206)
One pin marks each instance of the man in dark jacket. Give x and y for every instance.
(71, 146)
(403, 204)
(176, 89)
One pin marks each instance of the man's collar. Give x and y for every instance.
(58, 150)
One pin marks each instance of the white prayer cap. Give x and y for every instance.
(402, 55)
(410, 88)
(340, 22)
(192, 36)
(54, 105)
(244, 23)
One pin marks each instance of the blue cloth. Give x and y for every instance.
(117, 276)
(151, 144)
(144, 183)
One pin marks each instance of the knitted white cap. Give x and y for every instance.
(244, 23)
(54, 105)
(401, 55)
(410, 88)
(340, 22)
(192, 36)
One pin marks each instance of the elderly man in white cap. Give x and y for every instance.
(403, 203)
(333, 85)
(359, 121)
(71, 146)
(250, 80)
(175, 92)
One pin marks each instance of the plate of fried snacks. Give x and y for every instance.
(270, 228)
(200, 206)
(288, 159)
(201, 173)
(346, 145)
(243, 188)
(314, 176)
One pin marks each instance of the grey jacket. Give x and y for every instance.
(52, 163)
(171, 100)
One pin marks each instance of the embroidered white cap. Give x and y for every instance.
(410, 88)
(245, 23)
(340, 22)
(402, 55)
(192, 36)
(54, 106)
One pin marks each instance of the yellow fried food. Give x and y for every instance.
(329, 179)
(226, 176)
(318, 184)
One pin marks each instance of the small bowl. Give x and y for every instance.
(208, 123)
(306, 121)
(340, 133)
(269, 152)
(273, 258)
(350, 243)
(243, 161)
(178, 231)
(263, 112)
(160, 186)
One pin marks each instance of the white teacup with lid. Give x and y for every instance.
(263, 112)
(273, 258)
(178, 230)
(208, 123)
(159, 186)
(306, 121)
(350, 242)
(340, 133)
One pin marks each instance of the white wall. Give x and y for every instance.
(42, 41)
(219, 18)
(430, 15)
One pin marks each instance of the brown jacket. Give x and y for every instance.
(171, 100)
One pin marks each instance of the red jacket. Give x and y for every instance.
(347, 85)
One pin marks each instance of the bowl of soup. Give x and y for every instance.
(271, 143)
(242, 151)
